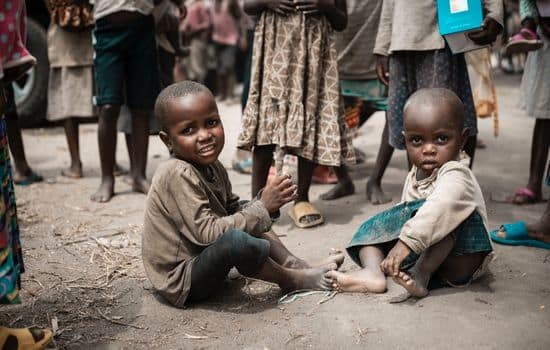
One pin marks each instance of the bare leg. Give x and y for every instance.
(539, 155)
(374, 185)
(369, 279)
(22, 169)
(470, 149)
(262, 157)
(282, 256)
(294, 279)
(71, 132)
(222, 86)
(305, 172)
(106, 135)
(343, 188)
(230, 81)
(416, 281)
(541, 230)
(140, 144)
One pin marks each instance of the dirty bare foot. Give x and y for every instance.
(362, 281)
(310, 279)
(73, 172)
(540, 230)
(141, 185)
(413, 283)
(341, 189)
(105, 191)
(375, 194)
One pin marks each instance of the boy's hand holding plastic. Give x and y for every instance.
(278, 191)
(282, 7)
(487, 34)
(391, 264)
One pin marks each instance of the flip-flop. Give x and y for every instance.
(25, 338)
(530, 197)
(301, 210)
(29, 180)
(517, 234)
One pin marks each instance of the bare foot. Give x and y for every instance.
(540, 230)
(341, 189)
(375, 194)
(140, 185)
(310, 279)
(106, 190)
(73, 172)
(362, 281)
(412, 283)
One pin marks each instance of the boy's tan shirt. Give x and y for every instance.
(452, 194)
(184, 214)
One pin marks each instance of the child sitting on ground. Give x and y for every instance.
(439, 229)
(195, 228)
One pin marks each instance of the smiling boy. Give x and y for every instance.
(439, 229)
(195, 227)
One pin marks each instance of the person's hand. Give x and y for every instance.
(487, 34)
(278, 191)
(383, 69)
(311, 7)
(391, 264)
(282, 7)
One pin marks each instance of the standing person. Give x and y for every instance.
(125, 56)
(71, 86)
(409, 43)
(225, 35)
(363, 92)
(294, 102)
(24, 175)
(535, 100)
(14, 61)
(197, 27)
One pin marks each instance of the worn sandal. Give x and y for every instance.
(303, 210)
(24, 338)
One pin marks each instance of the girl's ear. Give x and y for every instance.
(464, 137)
(166, 140)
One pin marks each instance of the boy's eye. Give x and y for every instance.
(415, 140)
(442, 139)
(187, 131)
(212, 122)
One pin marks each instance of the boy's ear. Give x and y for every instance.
(166, 140)
(464, 137)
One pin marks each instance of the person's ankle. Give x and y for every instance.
(530, 24)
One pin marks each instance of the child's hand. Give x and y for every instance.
(282, 7)
(311, 7)
(487, 34)
(382, 69)
(278, 191)
(391, 264)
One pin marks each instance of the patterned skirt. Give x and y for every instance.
(294, 100)
(470, 237)
(11, 261)
(414, 70)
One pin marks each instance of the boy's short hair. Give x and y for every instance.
(177, 90)
(438, 96)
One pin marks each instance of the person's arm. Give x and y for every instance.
(256, 7)
(192, 213)
(451, 202)
(492, 24)
(383, 36)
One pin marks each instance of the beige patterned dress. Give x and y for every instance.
(294, 99)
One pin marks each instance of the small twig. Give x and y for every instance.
(329, 297)
(118, 231)
(117, 322)
(196, 337)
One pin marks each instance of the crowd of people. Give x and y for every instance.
(312, 71)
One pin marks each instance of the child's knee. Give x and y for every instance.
(243, 244)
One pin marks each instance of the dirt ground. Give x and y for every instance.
(85, 279)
